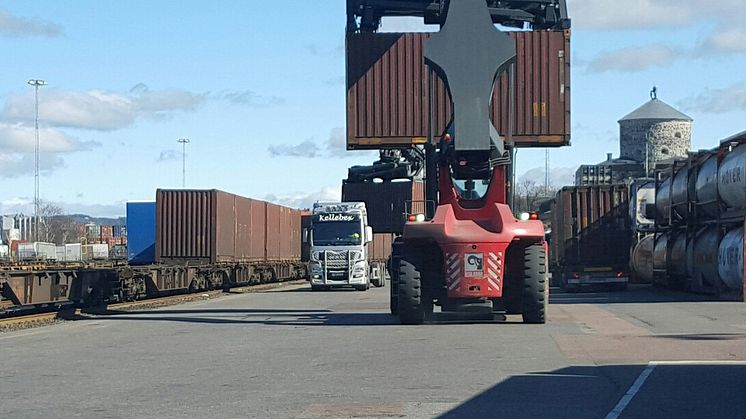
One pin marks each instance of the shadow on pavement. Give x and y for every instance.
(294, 317)
(670, 391)
(635, 294)
(308, 289)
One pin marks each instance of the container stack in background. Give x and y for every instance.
(700, 209)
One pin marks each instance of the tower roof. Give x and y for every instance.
(656, 109)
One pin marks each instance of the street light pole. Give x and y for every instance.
(36, 83)
(184, 142)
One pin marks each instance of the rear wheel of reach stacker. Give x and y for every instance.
(535, 287)
(413, 309)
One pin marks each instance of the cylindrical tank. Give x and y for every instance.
(660, 257)
(677, 256)
(663, 201)
(731, 179)
(703, 260)
(642, 259)
(679, 191)
(730, 259)
(707, 186)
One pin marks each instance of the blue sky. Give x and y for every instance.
(258, 89)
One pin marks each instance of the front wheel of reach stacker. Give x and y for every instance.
(412, 308)
(535, 290)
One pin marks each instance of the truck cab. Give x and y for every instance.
(338, 238)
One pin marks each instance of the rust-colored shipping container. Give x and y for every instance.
(289, 233)
(212, 226)
(387, 202)
(272, 241)
(591, 229)
(392, 94)
(305, 220)
(380, 248)
(258, 238)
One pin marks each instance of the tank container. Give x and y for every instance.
(730, 259)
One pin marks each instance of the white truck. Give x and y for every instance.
(341, 248)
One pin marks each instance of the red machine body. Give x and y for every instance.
(474, 236)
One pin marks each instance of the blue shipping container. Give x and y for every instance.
(141, 233)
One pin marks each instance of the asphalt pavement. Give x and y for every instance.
(293, 353)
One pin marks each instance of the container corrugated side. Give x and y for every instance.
(140, 233)
(184, 225)
(393, 97)
(591, 227)
(386, 202)
(273, 237)
(218, 227)
(380, 248)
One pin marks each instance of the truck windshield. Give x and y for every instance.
(337, 233)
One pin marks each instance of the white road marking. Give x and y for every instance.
(701, 362)
(619, 408)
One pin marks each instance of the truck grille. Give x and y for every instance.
(337, 260)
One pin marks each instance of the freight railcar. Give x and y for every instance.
(210, 239)
(186, 241)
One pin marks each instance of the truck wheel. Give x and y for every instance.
(362, 287)
(535, 290)
(412, 309)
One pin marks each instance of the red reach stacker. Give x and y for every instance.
(466, 249)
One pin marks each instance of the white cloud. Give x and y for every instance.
(729, 99)
(168, 155)
(630, 14)
(14, 165)
(725, 42)
(24, 205)
(651, 14)
(306, 200)
(334, 146)
(99, 109)
(634, 59)
(251, 99)
(18, 27)
(306, 148)
(21, 138)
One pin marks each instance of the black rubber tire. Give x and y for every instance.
(535, 286)
(362, 287)
(379, 282)
(411, 308)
